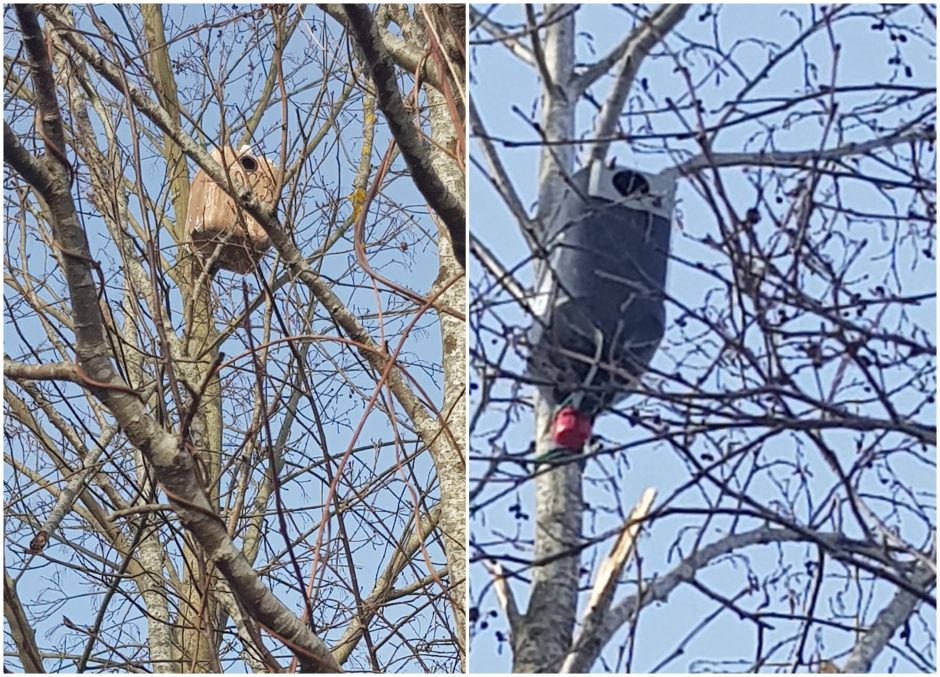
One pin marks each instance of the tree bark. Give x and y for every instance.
(547, 627)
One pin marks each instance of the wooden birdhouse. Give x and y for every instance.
(216, 226)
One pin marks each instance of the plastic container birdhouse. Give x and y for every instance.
(224, 235)
(599, 307)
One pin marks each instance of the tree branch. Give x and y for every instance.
(589, 647)
(630, 55)
(404, 53)
(22, 632)
(499, 178)
(558, 112)
(159, 64)
(503, 278)
(384, 585)
(504, 594)
(607, 578)
(32, 170)
(537, 51)
(58, 371)
(545, 633)
(801, 158)
(898, 611)
(439, 197)
(510, 42)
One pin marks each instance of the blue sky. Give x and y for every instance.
(499, 82)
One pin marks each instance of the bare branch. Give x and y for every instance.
(384, 585)
(503, 277)
(557, 110)
(606, 580)
(499, 178)
(630, 55)
(60, 371)
(27, 166)
(686, 571)
(544, 637)
(804, 158)
(406, 54)
(898, 612)
(159, 63)
(510, 42)
(438, 195)
(504, 594)
(22, 632)
(601, 67)
(537, 51)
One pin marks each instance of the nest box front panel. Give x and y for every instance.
(216, 226)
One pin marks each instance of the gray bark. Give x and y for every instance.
(547, 627)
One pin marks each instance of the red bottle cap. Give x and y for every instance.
(571, 428)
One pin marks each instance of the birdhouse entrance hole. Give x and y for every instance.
(248, 162)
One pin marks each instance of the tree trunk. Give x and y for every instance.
(542, 638)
